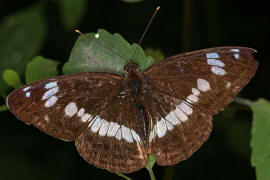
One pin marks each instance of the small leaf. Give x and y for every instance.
(72, 11)
(3, 108)
(40, 68)
(12, 78)
(21, 37)
(156, 54)
(104, 52)
(260, 140)
(132, 1)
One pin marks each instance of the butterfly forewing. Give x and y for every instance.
(187, 89)
(213, 75)
(63, 105)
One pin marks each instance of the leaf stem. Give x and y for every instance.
(244, 101)
(151, 173)
(123, 176)
(149, 166)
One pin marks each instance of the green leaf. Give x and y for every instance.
(3, 108)
(132, 1)
(21, 37)
(104, 52)
(260, 140)
(12, 78)
(40, 68)
(72, 11)
(155, 54)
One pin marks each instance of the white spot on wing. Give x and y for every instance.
(185, 108)
(46, 117)
(104, 128)
(71, 109)
(172, 118)
(136, 136)
(228, 85)
(236, 56)
(26, 88)
(215, 62)
(51, 85)
(50, 102)
(27, 94)
(195, 91)
(212, 55)
(96, 125)
(161, 128)
(113, 129)
(192, 98)
(218, 71)
(180, 114)
(126, 134)
(203, 85)
(81, 112)
(235, 50)
(85, 117)
(169, 125)
(50, 93)
(118, 134)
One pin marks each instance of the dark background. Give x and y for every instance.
(180, 26)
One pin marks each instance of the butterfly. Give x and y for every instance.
(116, 121)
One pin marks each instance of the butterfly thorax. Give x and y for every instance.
(134, 87)
(133, 83)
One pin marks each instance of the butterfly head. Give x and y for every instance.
(131, 67)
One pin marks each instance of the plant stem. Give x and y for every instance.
(243, 101)
(123, 176)
(149, 166)
(151, 173)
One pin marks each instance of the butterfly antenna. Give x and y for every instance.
(146, 29)
(101, 44)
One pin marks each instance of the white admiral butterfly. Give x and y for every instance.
(116, 120)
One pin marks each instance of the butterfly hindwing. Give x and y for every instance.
(189, 88)
(113, 140)
(177, 130)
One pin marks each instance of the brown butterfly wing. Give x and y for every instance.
(190, 88)
(71, 108)
(61, 106)
(118, 146)
(174, 135)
